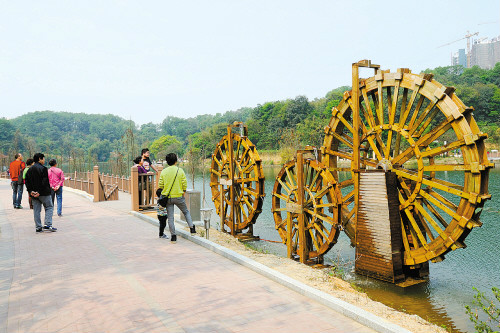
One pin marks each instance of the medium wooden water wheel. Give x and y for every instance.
(405, 121)
(305, 208)
(237, 182)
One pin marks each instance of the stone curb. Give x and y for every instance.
(361, 316)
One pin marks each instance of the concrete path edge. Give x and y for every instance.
(84, 194)
(361, 316)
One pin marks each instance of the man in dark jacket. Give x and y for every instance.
(37, 183)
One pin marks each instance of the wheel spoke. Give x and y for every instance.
(378, 101)
(416, 229)
(369, 112)
(322, 217)
(428, 218)
(284, 186)
(242, 210)
(281, 196)
(405, 238)
(445, 201)
(346, 183)
(291, 178)
(339, 153)
(439, 184)
(440, 205)
(435, 213)
(415, 112)
(424, 141)
(423, 116)
(440, 150)
(397, 145)
(315, 242)
(427, 122)
(344, 139)
(446, 167)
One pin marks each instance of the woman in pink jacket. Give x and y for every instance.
(56, 181)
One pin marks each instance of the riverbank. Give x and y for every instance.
(274, 158)
(324, 280)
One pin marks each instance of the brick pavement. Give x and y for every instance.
(106, 271)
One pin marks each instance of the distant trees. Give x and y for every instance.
(104, 137)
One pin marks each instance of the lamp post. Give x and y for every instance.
(206, 213)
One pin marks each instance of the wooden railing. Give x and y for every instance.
(96, 184)
(105, 187)
(143, 188)
(82, 181)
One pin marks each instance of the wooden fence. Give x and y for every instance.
(94, 183)
(142, 187)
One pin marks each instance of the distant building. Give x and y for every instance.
(460, 58)
(485, 53)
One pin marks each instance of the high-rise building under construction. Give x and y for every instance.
(483, 53)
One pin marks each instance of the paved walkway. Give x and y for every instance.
(107, 271)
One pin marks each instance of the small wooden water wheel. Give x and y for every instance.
(237, 182)
(401, 122)
(306, 208)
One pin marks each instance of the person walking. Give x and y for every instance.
(16, 168)
(56, 181)
(29, 163)
(173, 186)
(37, 183)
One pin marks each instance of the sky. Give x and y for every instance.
(146, 60)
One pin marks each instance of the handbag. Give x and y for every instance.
(163, 200)
(20, 179)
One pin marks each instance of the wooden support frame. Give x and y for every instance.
(355, 166)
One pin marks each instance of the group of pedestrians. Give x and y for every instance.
(172, 186)
(43, 186)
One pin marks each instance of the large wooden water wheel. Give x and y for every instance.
(237, 182)
(405, 122)
(306, 209)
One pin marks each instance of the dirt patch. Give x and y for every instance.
(323, 280)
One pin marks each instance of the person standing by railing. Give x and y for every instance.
(148, 166)
(138, 162)
(56, 181)
(146, 161)
(16, 168)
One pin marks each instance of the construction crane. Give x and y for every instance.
(467, 36)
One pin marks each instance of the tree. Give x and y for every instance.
(164, 145)
(6, 135)
(311, 131)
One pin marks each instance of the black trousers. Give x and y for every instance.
(163, 223)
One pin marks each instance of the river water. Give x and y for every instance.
(441, 300)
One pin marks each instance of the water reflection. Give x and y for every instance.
(441, 300)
